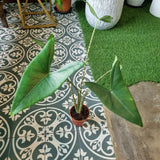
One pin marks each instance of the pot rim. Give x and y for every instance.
(83, 120)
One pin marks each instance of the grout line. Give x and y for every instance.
(78, 138)
(45, 133)
(10, 143)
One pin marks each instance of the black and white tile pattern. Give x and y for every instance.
(45, 131)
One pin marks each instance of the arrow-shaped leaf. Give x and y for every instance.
(106, 19)
(119, 99)
(38, 82)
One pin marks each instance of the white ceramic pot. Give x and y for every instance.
(155, 8)
(135, 3)
(102, 8)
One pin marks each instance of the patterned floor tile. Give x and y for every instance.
(31, 123)
(29, 136)
(5, 144)
(28, 147)
(60, 145)
(96, 144)
(64, 144)
(97, 118)
(8, 84)
(58, 119)
(45, 131)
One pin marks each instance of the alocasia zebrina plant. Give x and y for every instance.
(39, 82)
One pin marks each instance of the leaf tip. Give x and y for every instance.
(51, 36)
(12, 112)
(140, 122)
(137, 121)
(141, 125)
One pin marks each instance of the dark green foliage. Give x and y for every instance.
(118, 99)
(38, 82)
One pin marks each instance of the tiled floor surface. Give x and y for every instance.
(45, 131)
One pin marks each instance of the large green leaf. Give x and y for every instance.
(38, 82)
(119, 99)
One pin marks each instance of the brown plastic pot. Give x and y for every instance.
(79, 123)
(66, 6)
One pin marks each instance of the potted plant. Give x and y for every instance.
(63, 6)
(39, 82)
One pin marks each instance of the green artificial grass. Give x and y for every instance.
(135, 40)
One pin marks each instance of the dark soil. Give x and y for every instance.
(83, 115)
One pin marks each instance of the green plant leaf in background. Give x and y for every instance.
(119, 99)
(60, 3)
(92, 10)
(106, 19)
(40, 43)
(38, 82)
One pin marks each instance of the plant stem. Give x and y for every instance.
(74, 100)
(56, 62)
(69, 82)
(84, 69)
(90, 90)
(102, 76)
(82, 101)
(78, 94)
(73, 86)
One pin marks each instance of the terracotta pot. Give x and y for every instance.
(79, 123)
(66, 5)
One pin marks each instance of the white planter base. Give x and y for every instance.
(135, 3)
(155, 8)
